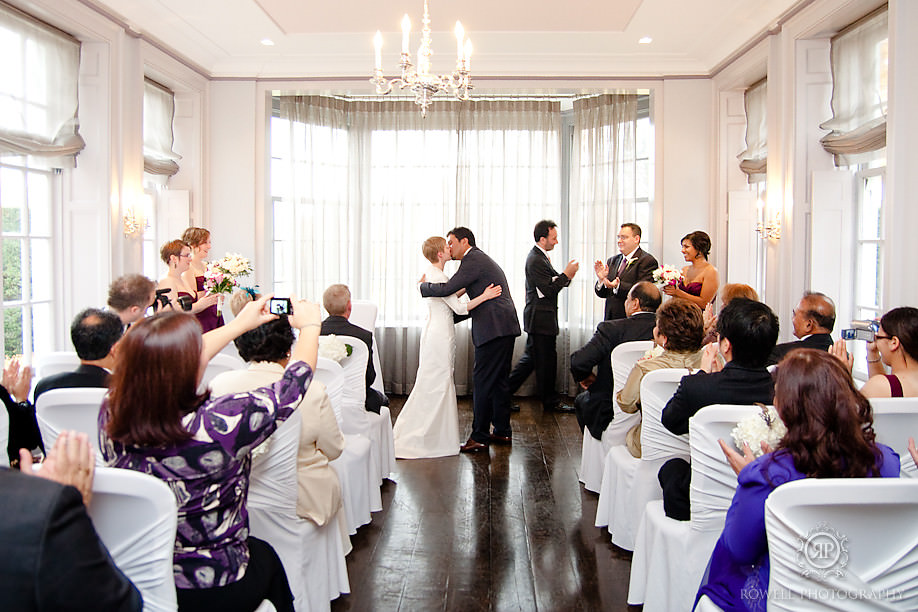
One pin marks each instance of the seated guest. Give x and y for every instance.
(829, 435)
(747, 331)
(267, 350)
(896, 346)
(94, 334)
(14, 392)
(594, 405)
(730, 291)
(337, 301)
(200, 446)
(678, 331)
(814, 318)
(129, 297)
(52, 557)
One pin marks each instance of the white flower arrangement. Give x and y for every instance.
(332, 348)
(763, 426)
(667, 275)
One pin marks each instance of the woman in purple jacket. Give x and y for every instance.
(829, 435)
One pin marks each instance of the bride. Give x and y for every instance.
(428, 425)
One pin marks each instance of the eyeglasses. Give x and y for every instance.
(881, 337)
(184, 254)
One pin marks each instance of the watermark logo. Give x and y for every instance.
(823, 552)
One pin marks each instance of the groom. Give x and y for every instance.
(494, 328)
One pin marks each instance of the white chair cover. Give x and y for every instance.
(876, 518)
(676, 553)
(4, 437)
(313, 556)
(357, 466)
(74, 409)
(135, 517)
(593, 452)
(894, 420)
(56, 362)
(629, 483)
(220, 363)
(356, 419)
(363, 314)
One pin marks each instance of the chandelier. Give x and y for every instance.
(419, 80)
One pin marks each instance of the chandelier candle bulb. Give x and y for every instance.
(406, 31)
(460, 35)
(468, 54)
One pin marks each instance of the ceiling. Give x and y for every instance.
(511, 38)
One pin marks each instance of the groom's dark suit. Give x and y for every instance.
(640, 268)
(494, 326)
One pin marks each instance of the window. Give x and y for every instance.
(869, 249)
(28, 198)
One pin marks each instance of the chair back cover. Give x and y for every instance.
(657, 442)
(354, 393)
(135, 516)
(843, 544)
(713, 480)
(330, 373)
(56, 362)
(894, 420)
(220, 363)
(75, 409)
(363, 314)
(624, 356)
(4, 437)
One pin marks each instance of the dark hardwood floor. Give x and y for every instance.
(509, 529)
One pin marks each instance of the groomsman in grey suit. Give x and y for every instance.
(621, 272)
(540, 317)
(494, 328)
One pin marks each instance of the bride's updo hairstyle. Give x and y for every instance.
(829, 423)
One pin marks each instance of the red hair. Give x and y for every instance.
(155, 380)
(829, 423)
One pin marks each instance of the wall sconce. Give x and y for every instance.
(770, 230)
(136, 222)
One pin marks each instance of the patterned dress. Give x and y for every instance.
(209, 474)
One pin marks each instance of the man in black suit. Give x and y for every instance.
(594, 405)
(747, 332)
(337, 301)
(814, 319)
(494, 328)
(94, 334)
(619, 273)
(52, 557)
(540, 317)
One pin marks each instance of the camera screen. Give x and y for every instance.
(279, 306)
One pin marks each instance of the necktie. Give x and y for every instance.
(621, 268)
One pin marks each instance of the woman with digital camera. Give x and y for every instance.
(895, 345)
(172, 291)
(154, 421)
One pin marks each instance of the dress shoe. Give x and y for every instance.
(495, 439)
(563, 408)
(471, 446)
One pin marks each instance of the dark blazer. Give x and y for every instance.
(732, 385)
(594, 406)
(540, 315)
(822, 342)
(491, 319)
(52, 558)
(640, 269)
(340, 326)
(83, 376)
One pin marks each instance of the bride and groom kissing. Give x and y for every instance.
(428, 423)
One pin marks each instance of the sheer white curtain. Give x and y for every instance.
(38, 89)
(860, 63)
(753, 161)
(158, 138)
(358, 186)
(604, 182)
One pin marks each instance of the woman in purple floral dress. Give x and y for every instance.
(154, 421)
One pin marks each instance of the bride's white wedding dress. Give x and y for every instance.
(428, 425)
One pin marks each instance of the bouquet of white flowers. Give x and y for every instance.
(332, 348)
(667, 275)
(765, 426)
(222, 276)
